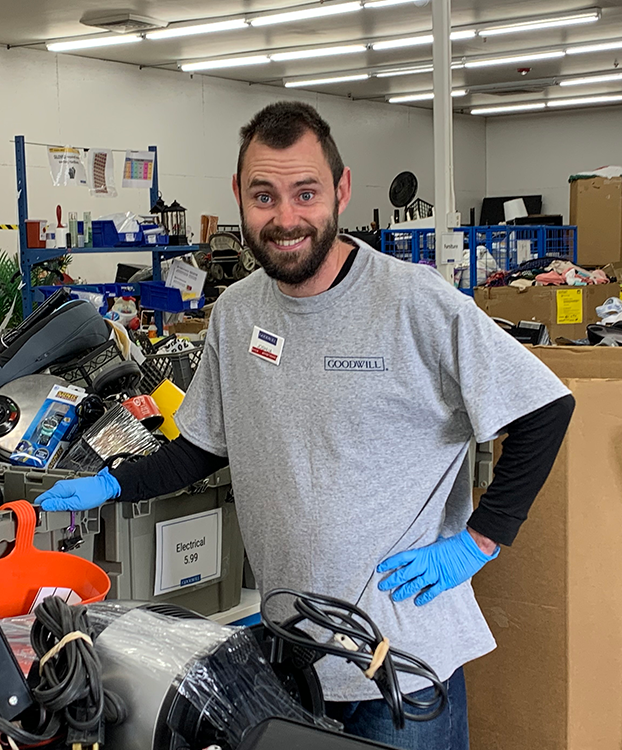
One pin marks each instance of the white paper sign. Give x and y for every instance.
(100, 172)
(188, 551)
(188, 279)
(138, 169)
(451, 248)
(66, 166)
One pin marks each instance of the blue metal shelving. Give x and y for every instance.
(29, 257)
(502, 245)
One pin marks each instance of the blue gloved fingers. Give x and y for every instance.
(427, 596)
(420, 563)
(61, 502)
(83, 493)
(396, 561)
(60, 489)
(413, 587)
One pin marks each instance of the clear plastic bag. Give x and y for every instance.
(217, 670)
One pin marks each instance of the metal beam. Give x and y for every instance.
(444, 195)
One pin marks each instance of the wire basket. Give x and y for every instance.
(179, 367)
(83, 370)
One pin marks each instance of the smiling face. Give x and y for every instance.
(290, 207)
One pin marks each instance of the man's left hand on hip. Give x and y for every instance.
(427, 571)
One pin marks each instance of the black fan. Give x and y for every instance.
(403, 191)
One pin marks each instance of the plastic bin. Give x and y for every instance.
(155, 295)
(53, 529)
(105, 235)
(126, 547)
(179, 367)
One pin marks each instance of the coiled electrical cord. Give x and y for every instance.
(358, 642)
(70, 689)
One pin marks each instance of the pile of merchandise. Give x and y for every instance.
(80, 392)
(548, 271)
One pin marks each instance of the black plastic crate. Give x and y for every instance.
(83, 370)
(179, 367)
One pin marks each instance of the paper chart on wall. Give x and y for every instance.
(138, 169)
(100, 172)
(66, 166)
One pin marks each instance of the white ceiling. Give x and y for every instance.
(34, 22)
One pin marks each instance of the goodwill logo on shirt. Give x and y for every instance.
(354, 364)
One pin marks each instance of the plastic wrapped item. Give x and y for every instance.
(117, 433)
(17, 632)
(186, 675)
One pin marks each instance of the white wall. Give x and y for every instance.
(535, 154)
(68, 100)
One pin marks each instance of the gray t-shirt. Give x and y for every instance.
(354, 446)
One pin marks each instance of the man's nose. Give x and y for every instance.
(286, 216)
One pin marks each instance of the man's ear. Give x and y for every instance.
(344, 190)
(236, 189)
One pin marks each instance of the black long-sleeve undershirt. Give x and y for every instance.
(527, 456)
(528, 453)
(176, 465)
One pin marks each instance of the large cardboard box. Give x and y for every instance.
(563, 314)
(554, 599)
(596, 209)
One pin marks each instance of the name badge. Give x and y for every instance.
(266, 345)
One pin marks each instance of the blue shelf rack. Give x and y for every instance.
(504, 244)
(29, 257)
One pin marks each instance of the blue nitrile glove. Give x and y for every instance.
(435, 568)
(82, 493)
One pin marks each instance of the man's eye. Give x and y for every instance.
(306, 196)
(263, 198)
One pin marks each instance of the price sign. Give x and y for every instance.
(569, 306)
(188, 551)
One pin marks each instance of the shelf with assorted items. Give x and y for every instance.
(30, 257)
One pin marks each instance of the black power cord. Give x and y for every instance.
(69, 691)
(357, 639)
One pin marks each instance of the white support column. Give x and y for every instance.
(444, 195)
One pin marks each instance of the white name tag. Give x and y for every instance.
(188, 551)
(266, 345)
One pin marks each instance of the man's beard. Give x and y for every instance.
(296, 266)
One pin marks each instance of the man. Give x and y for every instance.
(343, 388)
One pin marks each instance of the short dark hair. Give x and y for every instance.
(282, 124)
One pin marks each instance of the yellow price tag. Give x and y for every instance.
(569, 306)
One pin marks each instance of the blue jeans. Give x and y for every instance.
(372, 720)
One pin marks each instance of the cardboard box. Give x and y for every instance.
(596, 209)
(553, 599)
(546, 305)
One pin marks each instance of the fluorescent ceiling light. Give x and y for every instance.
(322, 81)
(416, 41)
(527, 57)
(591, 79)
(600, 47)
(411, 41)
(545, 23)
(302, 15)
(385, 3)
(202, 28)
(508, 108)
(231, 62)
(318, 52)
(422, 97)
(102, 41)
(405, 71)
(465, 34)
(584, 100)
